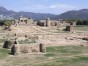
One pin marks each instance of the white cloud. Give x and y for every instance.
(55, 8)
(62, 6)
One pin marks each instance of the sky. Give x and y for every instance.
(44, 6)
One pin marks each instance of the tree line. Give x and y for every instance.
(78, 22)
(82, 22)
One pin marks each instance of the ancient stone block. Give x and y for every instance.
(8, 44)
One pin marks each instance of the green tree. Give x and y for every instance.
(85, 22)
(79, 22)
(8, 24)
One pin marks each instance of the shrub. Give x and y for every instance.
(8, 24)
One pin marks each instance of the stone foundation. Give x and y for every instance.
(27, 48)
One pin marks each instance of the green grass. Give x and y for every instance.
(4, 53)
(81, 28)
(26, 41)
(65, 50)
(67, 56)
(2, 40)
(49, 54)
(55, 56)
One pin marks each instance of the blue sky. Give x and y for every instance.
(44, 6)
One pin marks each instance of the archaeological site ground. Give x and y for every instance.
(29, 42)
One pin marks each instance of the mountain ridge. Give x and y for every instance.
(75, 14)
(10, 13)
(72, 14)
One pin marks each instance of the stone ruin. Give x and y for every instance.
(70, 27)
(59, 24)
(27, 48)
(17, 48)
(23, 21)
(48, 22)
(9, 43)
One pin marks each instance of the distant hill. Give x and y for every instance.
(4, 13)
(74, 14)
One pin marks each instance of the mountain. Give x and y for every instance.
(9, 14)
(34, 15)
(74, 14)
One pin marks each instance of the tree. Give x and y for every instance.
(2, 22)
(8, 24)
(85, 22)
(82, 22)
(79, 22)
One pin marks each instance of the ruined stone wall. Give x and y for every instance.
(27, 48)
(24, 21)
(48, 23)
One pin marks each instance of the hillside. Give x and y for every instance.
(74, 14)
(9, 14)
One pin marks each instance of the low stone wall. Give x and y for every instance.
(27, 48)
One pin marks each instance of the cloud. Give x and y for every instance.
(62, 6)
(52, 8)
(55, 8)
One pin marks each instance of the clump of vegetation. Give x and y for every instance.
(7, 25)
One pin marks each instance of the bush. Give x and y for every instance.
(8, 23)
